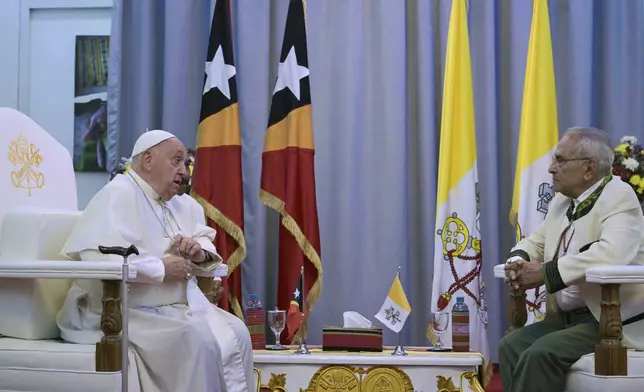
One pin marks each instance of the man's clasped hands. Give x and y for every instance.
(523, 274)
(178, 267)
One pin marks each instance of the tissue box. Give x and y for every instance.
(352, 339)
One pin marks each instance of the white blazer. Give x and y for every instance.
(611, 233)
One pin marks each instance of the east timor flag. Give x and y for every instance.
(217, 176)
(288, 173)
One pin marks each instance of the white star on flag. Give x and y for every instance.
(296, 293)
(218, 73)
(289, 74)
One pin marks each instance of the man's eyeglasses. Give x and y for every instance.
(559, 162)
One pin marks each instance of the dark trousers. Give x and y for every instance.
(535, 358)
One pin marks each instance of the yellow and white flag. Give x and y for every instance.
(457, 253)
(537, 139)
(395, 309)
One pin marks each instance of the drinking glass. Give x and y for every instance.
(277, 322)
(440, 322)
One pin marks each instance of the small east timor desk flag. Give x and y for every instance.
(288, 172)
(294, 315)
(217, 176)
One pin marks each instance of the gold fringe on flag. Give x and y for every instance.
(487, 372)
(234, 231)
(291, 225)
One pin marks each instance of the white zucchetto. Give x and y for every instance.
(150, 139)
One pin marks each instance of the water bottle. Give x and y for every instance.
(460, 326)
(255, 322)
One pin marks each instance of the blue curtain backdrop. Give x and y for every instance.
(376, 79)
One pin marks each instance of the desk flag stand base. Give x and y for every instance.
(399, 350)
(302, 349)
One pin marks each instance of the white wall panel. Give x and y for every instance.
(37, 39)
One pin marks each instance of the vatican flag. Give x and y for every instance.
(457, 240)
(537, 141)
(395, 309)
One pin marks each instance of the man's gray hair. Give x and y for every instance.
(595, 144)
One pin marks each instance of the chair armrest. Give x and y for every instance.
(220, 272)
(61, 269)
(517, 312)
(620, 274)
(610, 353)
(109, 350)
(499, 271)
(206, 282)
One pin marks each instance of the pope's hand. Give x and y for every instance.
(176, 268)
(189, 248)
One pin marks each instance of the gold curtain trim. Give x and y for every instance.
(309, 251)
(234, 231)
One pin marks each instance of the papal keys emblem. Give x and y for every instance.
(456, 239)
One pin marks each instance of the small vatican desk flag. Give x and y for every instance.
(395, 309)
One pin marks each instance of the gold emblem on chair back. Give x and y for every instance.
(26, 159)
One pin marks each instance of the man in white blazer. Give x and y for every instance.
(594, 219)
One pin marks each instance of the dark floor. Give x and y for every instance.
(495, 383)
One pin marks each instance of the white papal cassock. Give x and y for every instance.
(182, 342)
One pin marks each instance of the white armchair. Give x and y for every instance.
(51, 364)
(611, 366)
(38, 211)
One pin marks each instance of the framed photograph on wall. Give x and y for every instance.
(90, 103)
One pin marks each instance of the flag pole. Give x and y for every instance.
(302, 349)
(399, 350)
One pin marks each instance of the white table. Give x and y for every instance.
(419, 371)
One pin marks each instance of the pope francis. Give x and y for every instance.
(181, 341)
